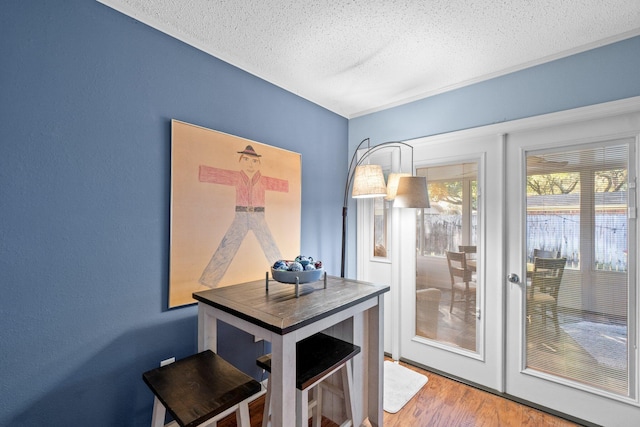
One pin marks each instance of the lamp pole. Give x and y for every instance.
(355, 162)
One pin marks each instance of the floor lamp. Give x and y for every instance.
(406, 190)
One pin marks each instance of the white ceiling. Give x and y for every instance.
(358, 56)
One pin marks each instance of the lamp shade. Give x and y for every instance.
(368, 182)
(392, 184)
(412, 193)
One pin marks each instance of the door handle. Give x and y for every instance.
(514, 278)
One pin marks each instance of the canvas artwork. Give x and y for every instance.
(235, 209)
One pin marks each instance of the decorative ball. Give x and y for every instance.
(280, 265)
(309, 267)
(295, 266)
(302, 260)
(318, 265)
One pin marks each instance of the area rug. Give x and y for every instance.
(604, 342)
(400, 385)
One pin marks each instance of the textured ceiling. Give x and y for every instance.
(358, 56)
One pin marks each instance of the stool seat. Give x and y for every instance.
(317, 357)
(200, 387)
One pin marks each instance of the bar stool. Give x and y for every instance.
(317, 358)
(200, 388)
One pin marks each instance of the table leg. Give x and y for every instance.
(207, 329)
(359, 369)
(283, 380)
(375, 362)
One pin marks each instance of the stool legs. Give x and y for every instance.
(317, 406)
(304, 404)
(266, 412)
(242, 415)
(243, 419)
(347, 387)
(302, 410)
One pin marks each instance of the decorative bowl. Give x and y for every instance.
(307, 276)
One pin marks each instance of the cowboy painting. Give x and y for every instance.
(250, 208)
(235, 209)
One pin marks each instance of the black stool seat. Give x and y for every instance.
(316, 355)
(199, 387)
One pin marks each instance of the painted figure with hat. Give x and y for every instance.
(250, 187)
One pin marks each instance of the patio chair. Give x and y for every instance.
(461, 281)
(546, 279)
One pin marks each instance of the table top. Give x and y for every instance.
(279, 310)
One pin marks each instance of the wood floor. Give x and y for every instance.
(444, 402)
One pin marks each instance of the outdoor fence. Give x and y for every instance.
(555, 231)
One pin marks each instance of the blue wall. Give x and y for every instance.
(87, 95)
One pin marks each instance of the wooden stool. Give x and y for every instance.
(199, 388)
(317, 357)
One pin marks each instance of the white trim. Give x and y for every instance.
(596, 111)
(503, 260)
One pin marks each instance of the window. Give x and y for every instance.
(446, 306)
(556, 200)
(452, 219)
(380, 227)
(578, 313)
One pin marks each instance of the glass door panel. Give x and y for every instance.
(446, 257)
(577, 278)
(380, 228)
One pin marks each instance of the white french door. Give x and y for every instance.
(439, 328)
(571, 322)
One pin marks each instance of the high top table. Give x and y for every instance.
(282, 319)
